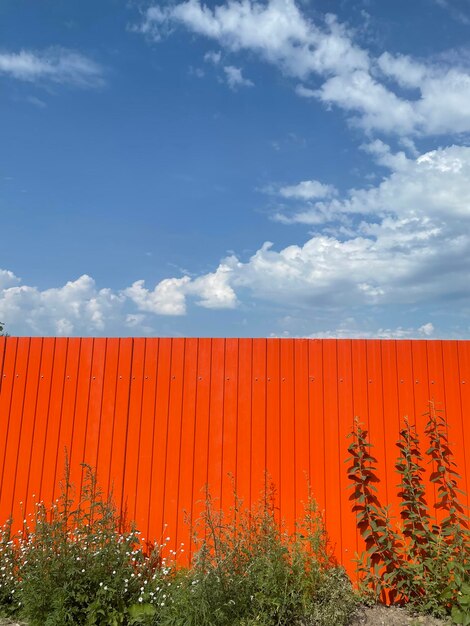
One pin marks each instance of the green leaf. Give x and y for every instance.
(139, 612)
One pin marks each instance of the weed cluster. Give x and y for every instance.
(74, 564)
(424, 560)
(249, 571)
(77, 563)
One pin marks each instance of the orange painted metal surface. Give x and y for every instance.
(161, 418)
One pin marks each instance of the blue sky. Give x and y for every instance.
(239, 168)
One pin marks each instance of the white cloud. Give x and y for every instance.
(235, 78)
(167, 298)
(432, 189)
(407, 241)
(37, 102)
(7, 279)
(404, 70)
(403, 245)
(436, 103)
(58, 65)
(454, 11)
(443, 92)
(350, 330)
(213, 57)
(427, 329)
(384, 156)
(369, 89)
(211, 291)
(77, 307)
(378, 107)
(276, 30)
(305, 92)
(80, 308)
(410, 146)
(214, 290)
(307, 190)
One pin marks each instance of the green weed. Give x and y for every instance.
(249, 571)
(75, 565)
(423, 560)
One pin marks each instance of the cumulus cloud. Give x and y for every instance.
(376, 105)
(235, 78)
(350, 331)
(351, 327)
(213, 57)
(276, 30)
(307, 190)
(427, 329)
(167, 298)
(404, 243)
(80, 308)
(214, 290)
(232, 75)
(433, 189)
(77, 307)
(7, 279)
(384, 155)
(393, 93)
(58, 65)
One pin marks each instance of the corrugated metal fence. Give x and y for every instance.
(160, 418)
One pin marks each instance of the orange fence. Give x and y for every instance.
(160, 418)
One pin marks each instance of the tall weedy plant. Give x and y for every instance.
(422, 559)
(248, 571)
(73, 565)
(377, 567)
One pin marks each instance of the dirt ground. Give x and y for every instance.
(376, 616)
(393, 616)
